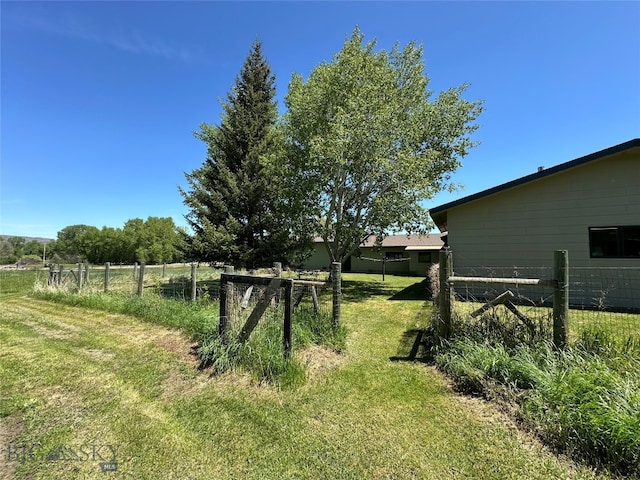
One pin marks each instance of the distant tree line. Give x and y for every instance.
(154, 240)
(18, 249)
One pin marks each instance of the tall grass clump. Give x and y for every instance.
(311, 327)
(262, 355)
(590, 411)
(583, 400)
(195, 319)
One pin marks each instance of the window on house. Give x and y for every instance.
(614, 242)
(393, 255)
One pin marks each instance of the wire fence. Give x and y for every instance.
(171, 281)
(177, 281)
(602, 298)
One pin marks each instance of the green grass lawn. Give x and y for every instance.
(95, 383)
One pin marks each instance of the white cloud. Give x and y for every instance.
(138, 43)
(76, 26)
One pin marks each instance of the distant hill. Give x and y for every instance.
(29, 239)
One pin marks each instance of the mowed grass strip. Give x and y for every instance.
(73, 376)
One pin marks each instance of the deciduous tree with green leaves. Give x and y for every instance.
(69, 244)
(368, 144)
(155, 240)
(235, 209)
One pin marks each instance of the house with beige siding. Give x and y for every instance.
(589, 206)
(401, 255)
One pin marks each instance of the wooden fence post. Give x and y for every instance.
(226, 302)
(223, 320)
(164, 269)
(288, 316)
(60, 273)
(446, 270)
(52, 274)
(86, 273)
(560, 297)
(141, 279)
(314, 298)
(336, 281)
(79, 276)
(106, 276)
(194, 284)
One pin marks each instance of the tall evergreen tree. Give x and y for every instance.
(233, 197)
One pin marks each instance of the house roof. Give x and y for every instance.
(439, 213)
(410, 242)
(430, 241)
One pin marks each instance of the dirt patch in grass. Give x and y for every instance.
(66, 407)
(61, 330)
(140, 333)
(178, 344)
(186, 379)
(487, 412)
(98, 354)
(318, 360)
(180, 383)
(10, 429)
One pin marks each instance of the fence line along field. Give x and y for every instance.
(121, 370)
(174, 280)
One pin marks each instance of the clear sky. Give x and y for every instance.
(99, 101)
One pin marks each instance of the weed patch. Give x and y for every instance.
(584, 400)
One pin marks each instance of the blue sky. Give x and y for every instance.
(99, 101)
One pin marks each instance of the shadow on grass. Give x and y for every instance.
(417, 344)
(412, 347)
(358, 291)
(417, 291)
